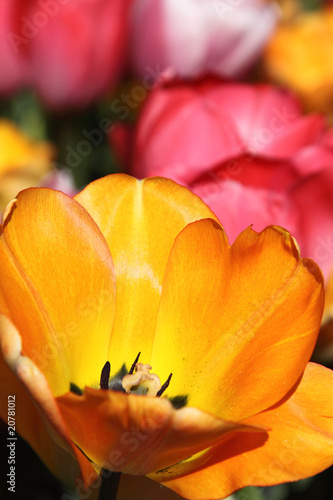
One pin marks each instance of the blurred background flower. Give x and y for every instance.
(193, 37)
(12, 62)
(23, 163)
(300, 56)
(70, 52)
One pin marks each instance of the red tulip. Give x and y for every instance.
(193, 37)
(248, 152)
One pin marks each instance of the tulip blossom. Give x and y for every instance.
(194, 37)
(137, 340)
(71, 52)
(300, 56)
(23, 163)
(248, 152)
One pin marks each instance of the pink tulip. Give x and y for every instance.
(73, 50)
(248, 152)
(78, 56)
(12, 60)
(193, 37)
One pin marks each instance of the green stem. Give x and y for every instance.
(109, 486)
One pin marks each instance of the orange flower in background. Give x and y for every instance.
(23, 163)
(300, 56)
(132, 267)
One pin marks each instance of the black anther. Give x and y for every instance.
(133, 365)
(164, 386)
(105, 376)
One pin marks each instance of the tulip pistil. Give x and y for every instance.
(142, 380)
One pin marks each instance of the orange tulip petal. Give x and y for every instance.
(139, 434)
(142, 488)
(300, 444)
(57, 286)
(37, 417)
(236, 326)
(140, 220)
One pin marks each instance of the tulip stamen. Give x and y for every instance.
(164, 386)
(105, 376)
(134, 364)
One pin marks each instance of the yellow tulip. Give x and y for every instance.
(144, 266)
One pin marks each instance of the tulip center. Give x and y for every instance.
(138, 380)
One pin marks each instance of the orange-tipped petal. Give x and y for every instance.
(57, 286)
(236, 325)
(300, 444)
(139, 434)
(140, 220)
(37, 417)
